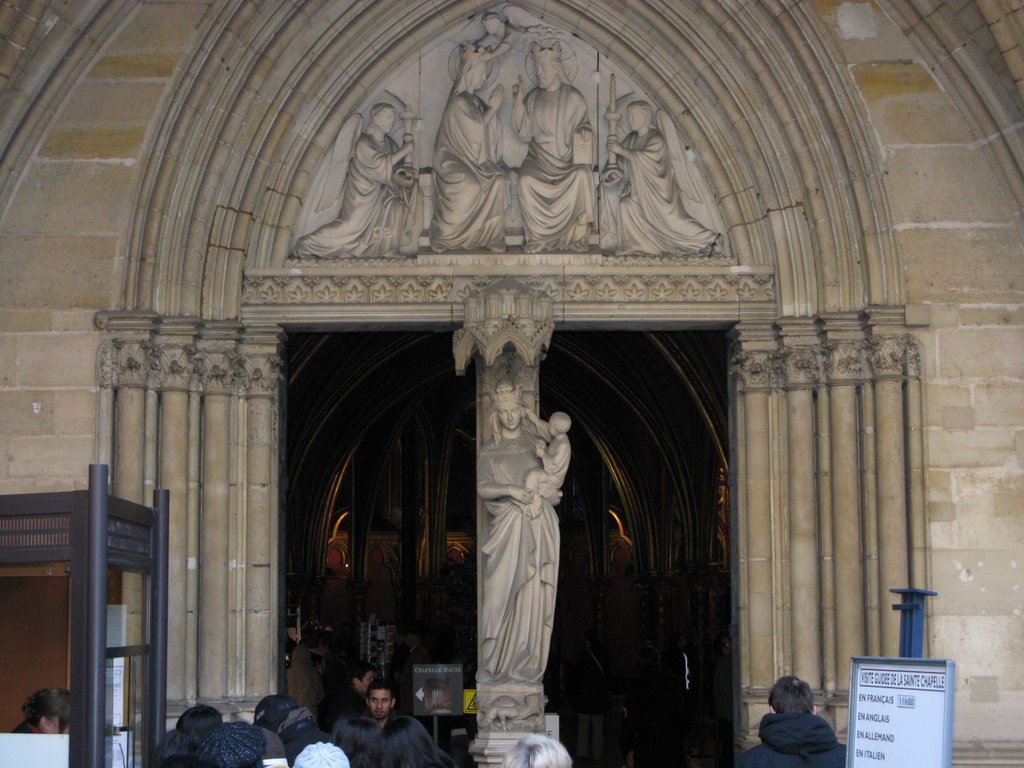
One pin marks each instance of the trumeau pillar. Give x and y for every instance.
(507, 331)
(800, 368)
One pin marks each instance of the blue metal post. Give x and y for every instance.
(912, 621)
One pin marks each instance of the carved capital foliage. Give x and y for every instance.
(845, 361)
(799, 367)
(133, 361)
(260, 373)
(217, 369)
(752, 369)
(895, 356)
(175, 365)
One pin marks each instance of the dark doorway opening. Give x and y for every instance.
(380, 509)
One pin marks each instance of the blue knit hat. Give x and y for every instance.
(233, 745)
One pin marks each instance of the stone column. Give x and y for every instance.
(751, 498)
(133, 366)
(508, 327)
(888, 361)
(173, 347)
(216, 356)
(846, 368)
(801, 365)
(261, 380)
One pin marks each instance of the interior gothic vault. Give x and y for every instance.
(381, 457)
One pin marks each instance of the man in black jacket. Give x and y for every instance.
(792, 734)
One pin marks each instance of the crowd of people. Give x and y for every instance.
(344, 714)
(283, 733)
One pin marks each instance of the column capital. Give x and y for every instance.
(895, 357)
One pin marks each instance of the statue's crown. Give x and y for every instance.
(506, 393)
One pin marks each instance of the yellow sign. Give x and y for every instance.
(469, 701)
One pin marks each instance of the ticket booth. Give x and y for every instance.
(105, 560)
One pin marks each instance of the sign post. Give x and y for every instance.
(901, 713)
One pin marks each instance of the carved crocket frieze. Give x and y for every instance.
(318, 289)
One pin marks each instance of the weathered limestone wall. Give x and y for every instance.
(61, 233)
(960, 237)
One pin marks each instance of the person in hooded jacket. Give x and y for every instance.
(792, 734)
(295, 725)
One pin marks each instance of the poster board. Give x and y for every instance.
(437, 689)
(901, 713)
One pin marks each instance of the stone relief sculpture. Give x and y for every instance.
(555, 182)
(653, 219)
(380, 212)
(521, 548)
(470, 179)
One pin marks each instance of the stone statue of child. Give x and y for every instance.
(546, 482)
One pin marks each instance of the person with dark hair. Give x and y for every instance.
(302, 678)
(652, 735)
(415, 637)
(173, 743)
(792, 734)
(590, 697)
(351, 700)
(47, 710)
(359, 738)
(294, 724)
(233, 745)
(195, 723)
(380, 701)
(407, 744)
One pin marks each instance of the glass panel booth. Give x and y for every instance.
(95, 567)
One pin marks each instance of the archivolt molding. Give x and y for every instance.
(753, 86)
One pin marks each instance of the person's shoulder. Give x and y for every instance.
(756, 757)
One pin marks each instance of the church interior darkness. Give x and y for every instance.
(378, 424)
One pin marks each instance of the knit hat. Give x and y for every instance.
(272, 710)
(233, 745)
(321, 755)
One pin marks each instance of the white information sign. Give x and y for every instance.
(901, 713)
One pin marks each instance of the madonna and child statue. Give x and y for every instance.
(519, 476)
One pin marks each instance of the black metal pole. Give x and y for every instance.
(95, 630)
(157, 704)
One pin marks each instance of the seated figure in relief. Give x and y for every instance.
(380, 204)
(652, 218)
(470, 180)
(555, 183)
